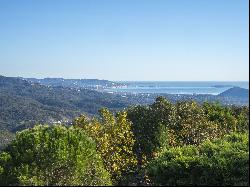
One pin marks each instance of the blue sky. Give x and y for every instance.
(167, 40)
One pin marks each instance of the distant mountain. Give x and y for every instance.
(236, 92)
(23, 103)
(95, 84)
(26, 102)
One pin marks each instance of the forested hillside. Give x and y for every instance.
(23, 103)
(181, 144)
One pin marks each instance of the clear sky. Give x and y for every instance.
(167, 40)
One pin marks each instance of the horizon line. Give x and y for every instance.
(45, 77)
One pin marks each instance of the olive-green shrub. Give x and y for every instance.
(54, 155)
(219, 162)
(114, 140)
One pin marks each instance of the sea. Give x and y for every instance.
(176, 87)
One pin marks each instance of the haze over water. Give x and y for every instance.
(177, 87)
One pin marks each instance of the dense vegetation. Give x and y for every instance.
(183, 143)
(52, 156)
(184, 123)
(221, 162)
(5, 138)
(24, 103)
(114, 139)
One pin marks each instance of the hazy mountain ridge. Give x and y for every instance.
(74, 83)
(24, 103)
(236, 92)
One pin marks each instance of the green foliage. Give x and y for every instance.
(54, 155)
(242, 117)
(23, 104)
(162, 124)
(221, 115)
(170, 144)
(184, 123)
(114, 140)
(215, 163)
(192, 125)
(231, 119)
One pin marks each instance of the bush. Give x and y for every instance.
(53, 155)
(164, 124)
(219, 162)
(114, 140)
(231, 119)
(150, 127)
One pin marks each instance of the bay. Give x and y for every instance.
(176, 87)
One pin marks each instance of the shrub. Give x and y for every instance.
(53, 155)
(220, 162)
(192, 126)
(149, 125)
(164, 124)
(230, 119)
(114, 140)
